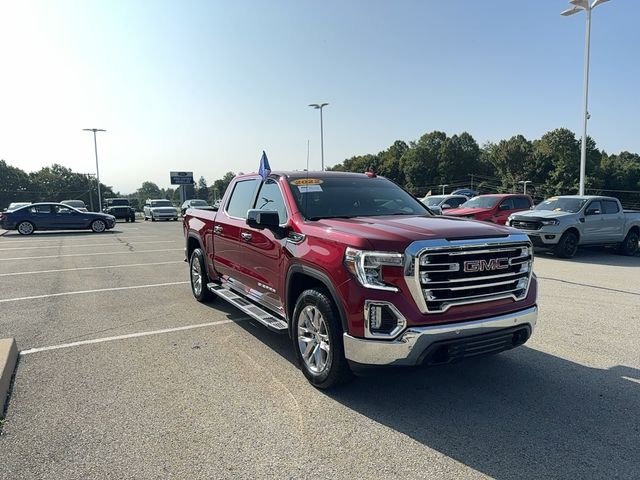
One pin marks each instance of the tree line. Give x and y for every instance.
(551, 163)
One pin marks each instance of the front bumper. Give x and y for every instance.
(411, 347)
(164, 215)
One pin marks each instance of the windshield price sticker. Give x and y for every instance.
(307, 181)
(309, 188)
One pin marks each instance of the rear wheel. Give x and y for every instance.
(153, 219)
(25, 228)
(317, 340)
(199, 277)
(630, 245)
(567, 246)
(98, 226)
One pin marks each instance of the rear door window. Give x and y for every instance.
(40, 209)
(242, 198)
(521, 202)
(610, 207)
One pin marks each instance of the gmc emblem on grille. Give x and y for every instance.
(486, 265)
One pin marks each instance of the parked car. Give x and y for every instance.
(195, 203)
(77, 204)
(563, 223)
(467, 192)
(439, 203)
(16, 205)
(120, 208)
(54, 216)
(160, 209)
(352, 267)
(492, 208)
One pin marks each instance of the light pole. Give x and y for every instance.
(524, 184)
(443, 187)
(95, 146)
(320, 106)
(579, 5)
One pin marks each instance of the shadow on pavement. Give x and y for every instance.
(520, 414)
(61, 234)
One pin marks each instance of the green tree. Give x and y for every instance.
(147, 191)
(202, 191)
(14, 185)
(220, 186)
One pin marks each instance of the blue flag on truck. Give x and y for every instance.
(265, 168)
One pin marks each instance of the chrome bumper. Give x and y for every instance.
(408, 347)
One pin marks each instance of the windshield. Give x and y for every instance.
(119, 202)
(74, 203)
(487, 201)
(562, 204)
(199, 203)
(352, 196)
(161, 203)
(432, 201)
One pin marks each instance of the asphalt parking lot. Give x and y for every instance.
(123, 375)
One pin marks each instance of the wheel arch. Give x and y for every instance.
(302, 277)
(573, 230)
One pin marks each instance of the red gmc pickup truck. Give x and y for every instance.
(358, 272)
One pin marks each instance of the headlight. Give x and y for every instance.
(551, 221)
(366, 266)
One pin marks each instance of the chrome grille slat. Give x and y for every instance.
(469, 287)
(476, 279)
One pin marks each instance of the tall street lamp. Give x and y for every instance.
(319, 106)
(524, 184)
(579, 5)
(443, 186)
(95, 146)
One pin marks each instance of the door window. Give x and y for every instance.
(521, 203)
(241, 198)
(594, 208)
(40, 209)
(610, 207)
(506, 205)
(270, 198)
(456, 202)
(63, 210)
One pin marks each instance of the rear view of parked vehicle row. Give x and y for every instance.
(358, 272)
(120, 208)
(54, 216)
(563, 223)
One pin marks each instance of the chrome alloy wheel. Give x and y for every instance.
(25, 228)
(196, 277)
(313, 339)
(98, 226)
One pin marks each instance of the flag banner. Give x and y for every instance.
(265, 168)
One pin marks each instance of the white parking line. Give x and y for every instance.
(112, 244)
(102, 236)
(17, 299)
(130, 335)
(91, 254)
(89, 268)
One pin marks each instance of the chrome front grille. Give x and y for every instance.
(526, 225)
(445, 273)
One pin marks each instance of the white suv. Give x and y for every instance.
(160, 209)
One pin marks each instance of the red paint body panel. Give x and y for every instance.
(493, 214)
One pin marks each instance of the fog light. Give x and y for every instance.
(382, 320)
(375, 317)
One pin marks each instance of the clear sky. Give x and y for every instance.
(207, 85)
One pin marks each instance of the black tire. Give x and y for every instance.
(126, 219)
(145, 219)
(25, 228)
(153, 219)
(629, 245)
(175, 219)
(133, 218)
(335, 370)
(197, 269)
(98, 226)
(567, 246)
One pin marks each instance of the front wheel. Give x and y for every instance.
(317, 340)
(25, 228)
(199, 277)
(630, 245)
(567, 245)
(98, 226)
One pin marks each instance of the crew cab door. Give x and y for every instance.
(613, 223)
(229, 249)
(503, 211)
(263, 249)
(593, 223)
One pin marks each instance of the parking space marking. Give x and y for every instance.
(79, 292)
(89, 268)
(130, 335)
(23, 239)
(91, 254)
(112, 244)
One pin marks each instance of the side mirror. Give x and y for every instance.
(592, 211)
(261, 219)
(445, 206)
(504, 206)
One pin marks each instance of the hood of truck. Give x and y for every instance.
(541, 214)
(466, 211)
(395, 233)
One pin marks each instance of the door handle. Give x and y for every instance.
(246, 236)
(217, 229)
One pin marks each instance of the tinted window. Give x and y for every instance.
(456, 202)
(40, 209)
(595, 206)
(270, 198)
(507, 204)
(63, 210)
(521, 202)
(241, 198)
(160, 203)
(610, 206)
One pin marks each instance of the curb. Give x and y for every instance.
(2, 232)
(8, 358)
